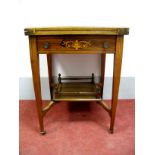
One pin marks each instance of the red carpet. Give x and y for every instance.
(77, 129)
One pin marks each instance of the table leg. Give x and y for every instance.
(49, 64)
(103, 60)
(116, 79)
(34, 56)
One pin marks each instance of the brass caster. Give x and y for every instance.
(42, 132)
(111, 131)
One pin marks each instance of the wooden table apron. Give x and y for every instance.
(75, 41)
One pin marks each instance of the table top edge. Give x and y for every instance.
(76, 31)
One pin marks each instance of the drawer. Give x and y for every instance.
(76, 44)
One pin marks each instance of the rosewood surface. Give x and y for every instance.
(76, 40)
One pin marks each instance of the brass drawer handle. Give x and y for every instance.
(75, 44)
(46, 45)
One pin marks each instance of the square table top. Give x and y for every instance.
(76, 31)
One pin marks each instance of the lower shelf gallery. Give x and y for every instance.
(77, 91)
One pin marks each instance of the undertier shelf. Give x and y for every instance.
(79, 91)
(73, 88)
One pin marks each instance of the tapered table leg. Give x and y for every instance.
(49, 64)
(34, 56)
(116, 79)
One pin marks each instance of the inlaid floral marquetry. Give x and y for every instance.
(76, 44)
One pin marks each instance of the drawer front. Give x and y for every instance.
(76, 44)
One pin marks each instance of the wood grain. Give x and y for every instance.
(105, 106)
(36, 80)
(76, 30)
(49, 64)
(55, 44)
(116, 78)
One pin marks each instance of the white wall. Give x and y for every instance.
(126, 89)
(76, 13)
